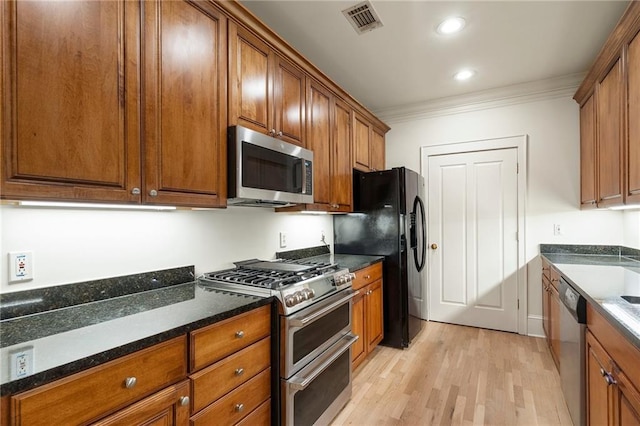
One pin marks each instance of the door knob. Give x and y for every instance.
(434, 246)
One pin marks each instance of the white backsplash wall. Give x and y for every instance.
(632, 229)
(71, 245)
(553, 182)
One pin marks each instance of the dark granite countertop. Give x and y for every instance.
(72, 338)
(602, 277)
(353, 262)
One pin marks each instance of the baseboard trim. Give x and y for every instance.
(534, 326)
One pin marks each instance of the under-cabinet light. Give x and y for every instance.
(624, 207)
(92, 205)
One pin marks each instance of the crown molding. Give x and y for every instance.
(532, 91)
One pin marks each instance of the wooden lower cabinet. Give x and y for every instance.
(613, 374)
(169, 407)
(366, 314)
(551, 309)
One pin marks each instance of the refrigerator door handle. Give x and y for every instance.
(418, 205)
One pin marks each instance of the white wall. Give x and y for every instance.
(79, 245)
(632, 228)
(552, 126)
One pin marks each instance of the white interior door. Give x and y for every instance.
(473, 225)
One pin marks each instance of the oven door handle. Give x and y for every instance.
(307, 319)
(299, 383)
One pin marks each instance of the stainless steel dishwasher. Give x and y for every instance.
(573, 319)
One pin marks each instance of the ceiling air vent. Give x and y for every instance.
(363, 17)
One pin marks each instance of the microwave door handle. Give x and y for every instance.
(303, 189)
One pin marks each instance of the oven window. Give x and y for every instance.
(310, 403)
(264, 168)
(307, 339)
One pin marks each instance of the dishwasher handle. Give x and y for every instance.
(575, 303)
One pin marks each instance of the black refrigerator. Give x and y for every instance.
(389, 220)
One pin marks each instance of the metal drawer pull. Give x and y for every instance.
(366, 277)
(239, 334)
(239, 371)
(130, 382)
(321, 312)
(608, 377)
(239, 408)
(184, 400)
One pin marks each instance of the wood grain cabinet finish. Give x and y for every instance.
(96, 392)
(185, 125)
(169, 407)
(551, 309)
(368, 145)
(588, 176)
(72, 121)
(266, 92)
(610, 119)
(367, 312)
(613, 374)
(632, 193)
(377, 149)
(70, 100)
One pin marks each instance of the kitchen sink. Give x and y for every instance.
(632, 299)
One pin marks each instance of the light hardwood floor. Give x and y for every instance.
(455, 375)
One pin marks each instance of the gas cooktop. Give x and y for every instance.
(295, 283)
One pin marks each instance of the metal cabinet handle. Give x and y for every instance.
(153, 193)
(135, 191)
(239, 334)
(239, 408)
(130, 382)
(280, 133)
(366, 277)
(608, 377)
(184, 400)
(239, 371)
(272, 132)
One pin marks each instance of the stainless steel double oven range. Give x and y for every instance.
(314, 327)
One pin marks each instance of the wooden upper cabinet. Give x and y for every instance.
(377, 150)
(342, 167)
(70, 125)
(289, 102)
(588, 197)
(185, 104)
(632, 193)
(266, 92)
(361, 142)
(610, 118)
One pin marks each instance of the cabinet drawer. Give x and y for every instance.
(366, 276)
(546, 269)
(101, 390)
(212, 343)
(261, 416)
(555, 278)
(237, 404)
(216, 380)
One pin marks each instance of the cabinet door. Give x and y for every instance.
(546, 300)
(341, 165)
(169, 407)
(626, 401)
(599, 395)
(554, 324)
(319, 141)
(633, 138)
(358, 319)
(361, 140)
(70, 122)
(249, 80)
(185, 120)
(289, 102)
(610, 134)
(374, 315)
(588, 196)
(377, 149)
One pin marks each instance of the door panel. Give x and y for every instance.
(473, 215)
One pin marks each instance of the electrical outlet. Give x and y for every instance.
(557, 230)
(283, 239)
(20, 266)
(22, 362)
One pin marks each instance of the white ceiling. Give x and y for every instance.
(406, 62)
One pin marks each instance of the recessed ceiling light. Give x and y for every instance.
(464, 74)
(451, 25)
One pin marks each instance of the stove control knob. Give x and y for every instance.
(308, 293)
(289, 301)
(298, 296)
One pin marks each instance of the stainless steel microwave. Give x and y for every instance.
(267, 172)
